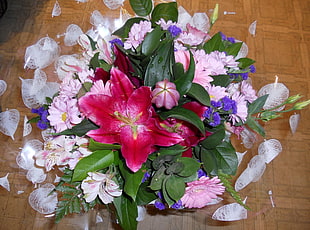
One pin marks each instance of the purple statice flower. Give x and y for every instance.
(201, 173)
(216, 119)
(174, 30)
(177, 205)
(147, 175)
(252, 68)
(116, 41)
(216, 104)
(43, 122)
(229, 105)
(208, 113)
(159, 205)
(223, 36)
(231, 39)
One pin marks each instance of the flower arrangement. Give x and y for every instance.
(146, 118)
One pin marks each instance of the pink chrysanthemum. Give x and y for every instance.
(216, 92)
(69, 86)
(248, 92)
(63, 113)
(100, 88)
(137, 34)
(199, 193)
(242, 109)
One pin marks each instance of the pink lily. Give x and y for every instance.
(127, 118)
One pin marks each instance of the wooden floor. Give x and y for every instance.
(281, 47)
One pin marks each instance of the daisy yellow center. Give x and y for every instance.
(64, 116)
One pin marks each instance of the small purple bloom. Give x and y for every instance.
(116, 41)
(146, 176)
(159, 205)
(208, 113)
(229, 105)
(42, 125)
(216, 104)
(216, 119)
(177, 205)
(252, 69)
(231, 39)
(201, 173)
(174, 30)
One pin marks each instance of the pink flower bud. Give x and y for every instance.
(165, 94)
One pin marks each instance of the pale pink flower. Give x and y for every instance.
(183, 57)
(248, 91)
(165, 25)
(192, 36)
(57, 151)
(69, 86)
(137, 33)
(165, 94)
(216, 93)
(85, 75)
(228, 60)
(200, 192)
(64, 113)
(100, 88)
(242, 109)
(102, 185)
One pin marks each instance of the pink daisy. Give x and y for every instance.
(137, 34)
(200, 192)
(242, 109)
(216, 92)
(248, 92)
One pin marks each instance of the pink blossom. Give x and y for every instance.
(165, 25)
(248, 91)
(64, 113)
(165, 94)
(242, 109)
(137, 34)
(199, 193)
(102, 185)
(192, 36)
(183, 57)
(69, 86)
(100, 88)
(216, 93)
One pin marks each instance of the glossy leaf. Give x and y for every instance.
(233, 49)
(158, 178)
(245, 62)
(94, 145)
(254, 125)
(97, 160)
(215, 43)
(184, 115)
(166, 11)
(145, 195)
(132, 180)
(175, 187)
(80, 129)
(221, 80)
(191, 166)
(141, 7)
(257, 105)
(127, 212)
(151, 41)
(214, 139)
(199, 93)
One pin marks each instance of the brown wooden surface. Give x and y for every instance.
(281, 47)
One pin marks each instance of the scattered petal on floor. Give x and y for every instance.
(4, 182)
(24, 158)
(252, 28)
(3, 87)
(269, 149)
(72, 34)
(36, 175)
(294, 121)
(56, 9)
(113, 4)
(27, 127)
(42, 200)
(141, 213)
(9, 122)
(230, 212)
(240, 156)
(248, 138)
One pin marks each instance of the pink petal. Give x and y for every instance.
(121, 85)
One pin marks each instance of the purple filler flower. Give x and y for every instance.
(174, 30)
(159, 205)
(177, 205)
(116, 41)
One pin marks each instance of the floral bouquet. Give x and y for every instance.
(146, 117)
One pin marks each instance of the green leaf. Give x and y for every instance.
(97, 160)
(199, 93)
(158, 178)
(221, 80)
(214, 139)
(245, 62)
(257, 105)
(141, 7)
(172, 150)
(166, 11)
(223, 158)
(175, 188)
(160, 65)
(191, 166)
(233, 49)
(94, 61)
(184, 115)
(145, 195)
(94, 145)
(132, 180)
(127, 212)
(80, 129)
(124, 30)
(183, 80)
(151, 41)
(215, 43)
(254, 125)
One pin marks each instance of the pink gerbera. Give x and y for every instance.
(63, 113)
(200, 192)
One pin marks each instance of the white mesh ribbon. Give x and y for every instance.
(72, 34)
(41, 54)
(230, 212)
(35, 92)
(24, 159)
(113, 4)
(36, 175)
(9, 122)
(43, 200)
(269, 149)
(3, 87)
(27, 127)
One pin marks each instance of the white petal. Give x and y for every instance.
(56, 9)
(252, 28)
(27, 127)
(36, 175)
(72, 35)
(113, 4)
(9, 122)
(240, 156)
(270, 149)
(141, 213)
(230, 212)
(4, 182)
(24, 158)
(42, 200)
(294, 120)
(3, 87)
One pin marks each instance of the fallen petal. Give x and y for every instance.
(294, 121)
(56, 10)
(4, 182)
(27, 127)
(113, 4)
(24, 158)
(9, 122)
(230, 212)
(3, 87)
(252, 28)
(72, 35)
(36, 175)
(269, 149)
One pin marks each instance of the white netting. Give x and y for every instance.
(72, 34)
(252, 28)
(201, 21)
(269, 149)
(56, 9)
(230, 212)
(36, 175)
(113, 4)
(24, 158)
(9, 122)
(3, 87)
(42, 200)
(293, 121)
(27, 127)
(41, 54)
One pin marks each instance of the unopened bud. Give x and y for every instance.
(301, 105)
(293, 99)
(215, 14)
